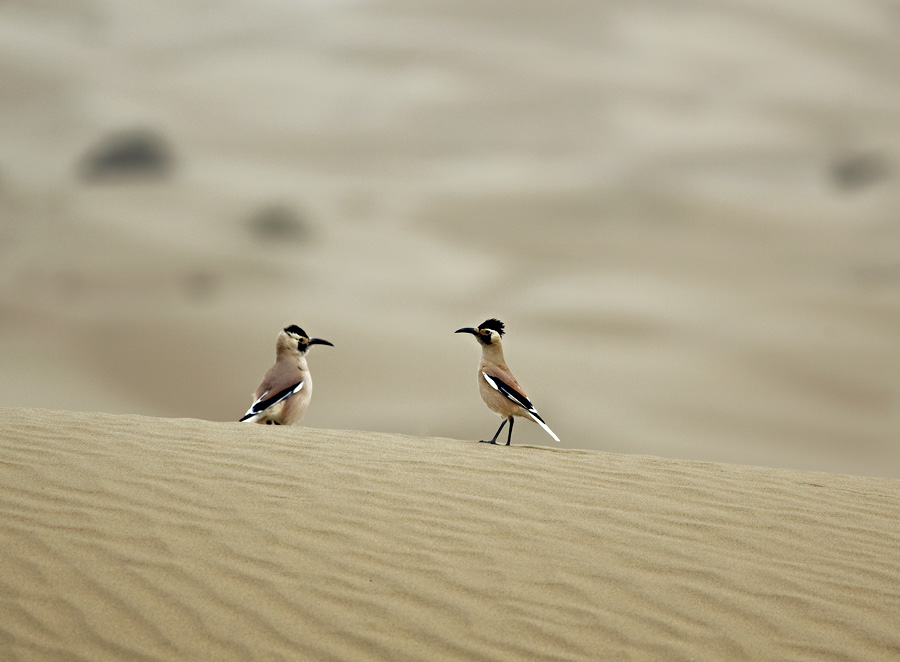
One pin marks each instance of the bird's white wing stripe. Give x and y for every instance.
(544, 425)
(278, 397)
(490, 381)
(509, 392)
(531, 410)
(258, 400)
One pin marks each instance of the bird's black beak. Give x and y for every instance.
(468, 329)
(319, 341)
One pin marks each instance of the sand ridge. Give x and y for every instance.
(128, 537)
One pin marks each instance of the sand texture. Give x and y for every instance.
(135, 538)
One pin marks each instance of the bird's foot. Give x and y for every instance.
(487, 441)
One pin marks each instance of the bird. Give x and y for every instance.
(286, 388)
(499, 389)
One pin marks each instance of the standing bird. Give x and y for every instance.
(499, 389)
(286, 388)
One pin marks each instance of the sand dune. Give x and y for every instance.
(126, 537)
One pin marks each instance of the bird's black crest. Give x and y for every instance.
(494, 325)
(293, 328)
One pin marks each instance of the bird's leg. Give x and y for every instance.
(268, 422)
(509, 435)
(275, 423)
(496, 434)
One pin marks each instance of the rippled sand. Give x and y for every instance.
(126, 537)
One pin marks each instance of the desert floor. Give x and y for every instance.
(136, 538)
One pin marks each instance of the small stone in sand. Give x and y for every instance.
(135, 153)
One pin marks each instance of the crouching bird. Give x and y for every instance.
(499, 389)
(286, 388)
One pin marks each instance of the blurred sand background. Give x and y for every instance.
(687, 214)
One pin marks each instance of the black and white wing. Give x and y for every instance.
(264, 402)
(512, 394)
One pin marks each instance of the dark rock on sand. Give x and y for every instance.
(137, 153)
